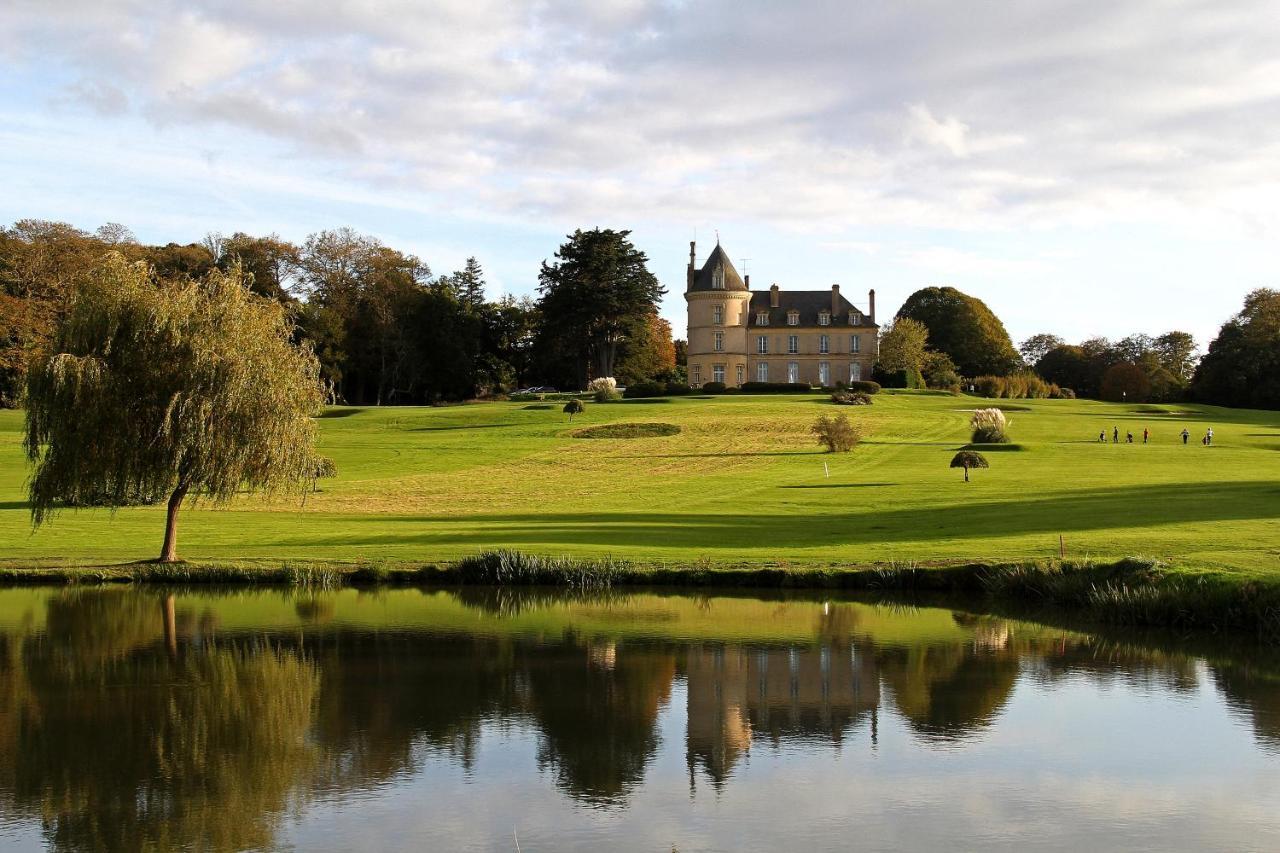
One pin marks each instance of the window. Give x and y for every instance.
(824, 373)
(855, 343)
(717, 373)
(855, 372)
(793, 318)
(762, 372)
(824, 343)
(742, 371)
(762, 344)
(824, 319)
(697, 374)
(793, 344)
(718, 313)
(855, 318)
(717, 277)
(762, 318)
(719, 339)
(793, 372)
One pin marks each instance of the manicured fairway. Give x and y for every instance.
(743, 482)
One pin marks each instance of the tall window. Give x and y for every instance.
(793, 344)
(762, 344)
(719, 341)
(855, 372)
(824, 343)
(717, 373)
(793, 318)
(762, 318)
(762, 372)
(824, 319)
(718, 311)
(855, 343)
(824, 373)
(742, 371)
(793, 372)
(717, 277)
(697, 374)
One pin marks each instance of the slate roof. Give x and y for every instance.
(732, 281)
(810, 303)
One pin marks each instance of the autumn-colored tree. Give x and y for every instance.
(160, 389)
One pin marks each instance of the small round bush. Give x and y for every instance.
(574, 407)
(836, 434)
(865, 386)
(607, 395)
(713, 388)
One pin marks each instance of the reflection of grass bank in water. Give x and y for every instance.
(1130, 592)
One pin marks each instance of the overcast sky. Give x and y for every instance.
(1085, 168)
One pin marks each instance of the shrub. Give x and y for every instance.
(713, 388)
(851, 398)
(865, 386)
(836, 434)
(989, 427)
(1062, 393)
(988, 386)
(775, 388)
(602, 383)
(677, 389)
(574, 407)
(910, 378)
(607, 395)
(642, 390)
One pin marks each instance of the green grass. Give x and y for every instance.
(743, 484)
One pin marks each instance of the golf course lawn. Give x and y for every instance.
(742, 483)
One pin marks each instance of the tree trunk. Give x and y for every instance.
(966, 473)
(169, 553)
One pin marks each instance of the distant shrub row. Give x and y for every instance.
(776, 388)
(642, 390)
(1020, 386)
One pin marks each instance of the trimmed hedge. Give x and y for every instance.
(645, 389)
(776, 388)
(713, 388)
(864, 386)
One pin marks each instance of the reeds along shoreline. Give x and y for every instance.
(1131, 592)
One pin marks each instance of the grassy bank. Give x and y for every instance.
(1131, 592)
(741, 484)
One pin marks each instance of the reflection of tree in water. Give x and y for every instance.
(124, 746)
(948, 692)
(597, 713)
(1255, 695)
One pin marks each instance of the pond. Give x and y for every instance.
(487, 719)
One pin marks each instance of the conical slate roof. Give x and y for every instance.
(718, 257)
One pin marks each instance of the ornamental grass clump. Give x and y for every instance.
(836, 434)
(604, 389)
(989, 427)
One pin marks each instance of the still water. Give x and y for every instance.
(486, 720)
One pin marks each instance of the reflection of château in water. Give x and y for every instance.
(739, 693)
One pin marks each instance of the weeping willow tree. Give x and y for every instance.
(167, 390)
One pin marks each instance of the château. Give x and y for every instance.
(738, 335)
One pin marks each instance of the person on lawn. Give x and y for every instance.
(1186, 434)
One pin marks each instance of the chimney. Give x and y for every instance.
(871, 297)
(746, 281)
(773, 296)
(835, 301)
(689, 277)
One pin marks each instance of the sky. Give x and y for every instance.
(1085, 168)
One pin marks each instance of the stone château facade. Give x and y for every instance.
(739, 335)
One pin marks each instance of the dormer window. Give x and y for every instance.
(717, 277)
(824, 319)
(855, 318)
(762, 318)
(793, 318)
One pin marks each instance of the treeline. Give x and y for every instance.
(942, 338)
(385, 328)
